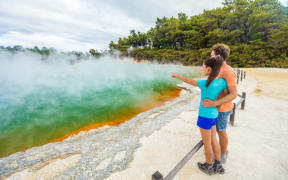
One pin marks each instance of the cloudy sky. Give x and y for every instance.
(84, 24)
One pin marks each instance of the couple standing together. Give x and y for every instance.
(217, 93)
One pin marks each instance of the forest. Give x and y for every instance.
(256, 32)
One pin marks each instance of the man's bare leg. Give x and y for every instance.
(218, 168)
(223, 140)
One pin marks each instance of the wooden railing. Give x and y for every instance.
(240, 75)
(158, 176)
(242, 101)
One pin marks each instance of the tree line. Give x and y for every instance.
(256, 32)
(45, 52)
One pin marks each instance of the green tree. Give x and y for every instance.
(255, 30)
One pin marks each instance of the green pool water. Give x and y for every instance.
(41, 101)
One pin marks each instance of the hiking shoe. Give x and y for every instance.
(224, 157)
(218, 168)
(206, 168)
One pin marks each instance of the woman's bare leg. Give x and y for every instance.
(215, 144)
(223, 138)
(206, 138)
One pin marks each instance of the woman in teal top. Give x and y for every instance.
(207, 117)
(211, 92)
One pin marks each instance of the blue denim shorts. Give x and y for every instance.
(206, 123)
(222, 122)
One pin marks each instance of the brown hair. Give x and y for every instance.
(221, 49)
(215, 64)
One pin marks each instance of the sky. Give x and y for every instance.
(84, 24)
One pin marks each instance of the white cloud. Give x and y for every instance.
(85, 24)
(90, 25)
(284, 2)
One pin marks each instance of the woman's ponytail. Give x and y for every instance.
(215, 64)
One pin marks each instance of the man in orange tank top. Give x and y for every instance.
(224, 100)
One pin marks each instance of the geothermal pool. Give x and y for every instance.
(44, 99)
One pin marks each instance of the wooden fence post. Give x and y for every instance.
(238, 74)
(243, 102)
(157, 176)
(232, 116)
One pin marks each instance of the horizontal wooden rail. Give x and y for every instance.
(240, 75)
(239, 102)
(242, 101)
(158, 176)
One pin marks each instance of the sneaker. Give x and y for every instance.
(218, 168)
(206, 168)
(224, 157)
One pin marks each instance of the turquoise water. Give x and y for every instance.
(42, 100)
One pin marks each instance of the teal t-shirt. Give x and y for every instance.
(211, 92)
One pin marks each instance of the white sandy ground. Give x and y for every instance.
(257, 143)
